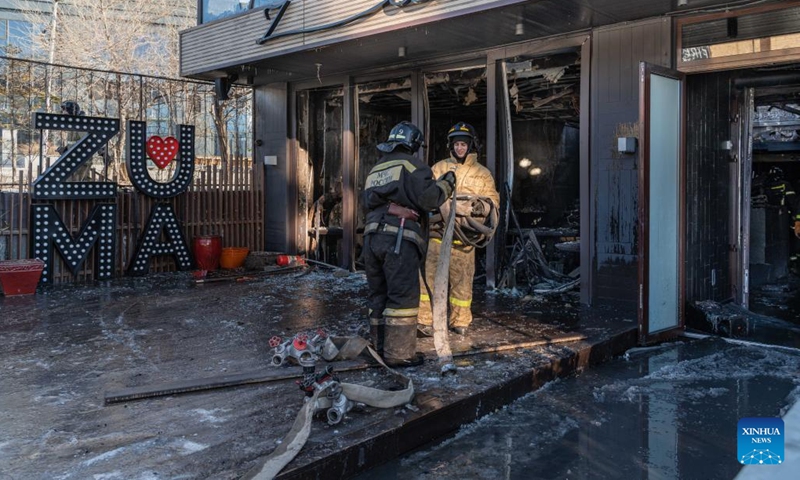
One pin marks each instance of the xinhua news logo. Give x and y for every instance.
(760, 441)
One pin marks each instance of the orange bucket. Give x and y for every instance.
(233, 257)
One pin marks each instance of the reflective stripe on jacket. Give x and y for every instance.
(402, 179)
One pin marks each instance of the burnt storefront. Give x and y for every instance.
(619, 135)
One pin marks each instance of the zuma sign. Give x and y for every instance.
(50, 236)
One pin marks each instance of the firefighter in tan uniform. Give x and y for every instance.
(476, 219)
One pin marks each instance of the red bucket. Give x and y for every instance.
(20, 277)
(207, 250)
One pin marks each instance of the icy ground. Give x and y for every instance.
(665, 412)
(64, 348)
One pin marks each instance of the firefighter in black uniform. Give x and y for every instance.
(398, 192)
(781, 193)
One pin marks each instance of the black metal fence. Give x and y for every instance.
(227, 190)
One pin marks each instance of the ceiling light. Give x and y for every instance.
(535, 171)
(525, 163)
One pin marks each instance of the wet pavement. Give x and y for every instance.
(665, 412)
(773, 318)
(63, 348)
(779, 300)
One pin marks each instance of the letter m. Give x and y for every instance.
(49, 234)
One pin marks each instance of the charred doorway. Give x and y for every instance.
(380, 106)
(743, 160)
(319, 136)
(775, 175)
(773, 110)
(542, 135)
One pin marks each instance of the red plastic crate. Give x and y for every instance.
(20, 277)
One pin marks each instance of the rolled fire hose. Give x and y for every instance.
(337, 348)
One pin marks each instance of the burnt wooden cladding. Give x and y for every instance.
(222, 200)
(616, 53)
(708, 187)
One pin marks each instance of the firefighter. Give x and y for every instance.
(781, 193)
(476, 220)
(399, 193)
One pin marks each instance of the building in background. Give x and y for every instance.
(16, 29)
(619, 128)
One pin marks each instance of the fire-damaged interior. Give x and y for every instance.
(743, 163)
(776, 173)
(543, 114)
(774, 203)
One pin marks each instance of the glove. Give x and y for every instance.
(797, 228)
(450, 178)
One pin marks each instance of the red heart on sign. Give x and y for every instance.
(162, 150)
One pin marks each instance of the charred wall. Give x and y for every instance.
(616, 53)
(708, 187)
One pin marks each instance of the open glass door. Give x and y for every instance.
(661, 202)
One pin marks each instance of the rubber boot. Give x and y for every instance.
(400, 342)
(377, 333)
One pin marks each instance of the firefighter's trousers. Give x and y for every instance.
(393, 281)
(459, 298)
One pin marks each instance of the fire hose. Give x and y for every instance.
(441, 287)
(325, 392)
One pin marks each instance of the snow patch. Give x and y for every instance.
(697, 394)
(104, 456)
(150, 476)
(741, 362)
(209, 415)
(192, 447)
(108, 476)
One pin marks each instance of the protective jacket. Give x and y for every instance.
(401, 179)
(780, 193)
(472, 180)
